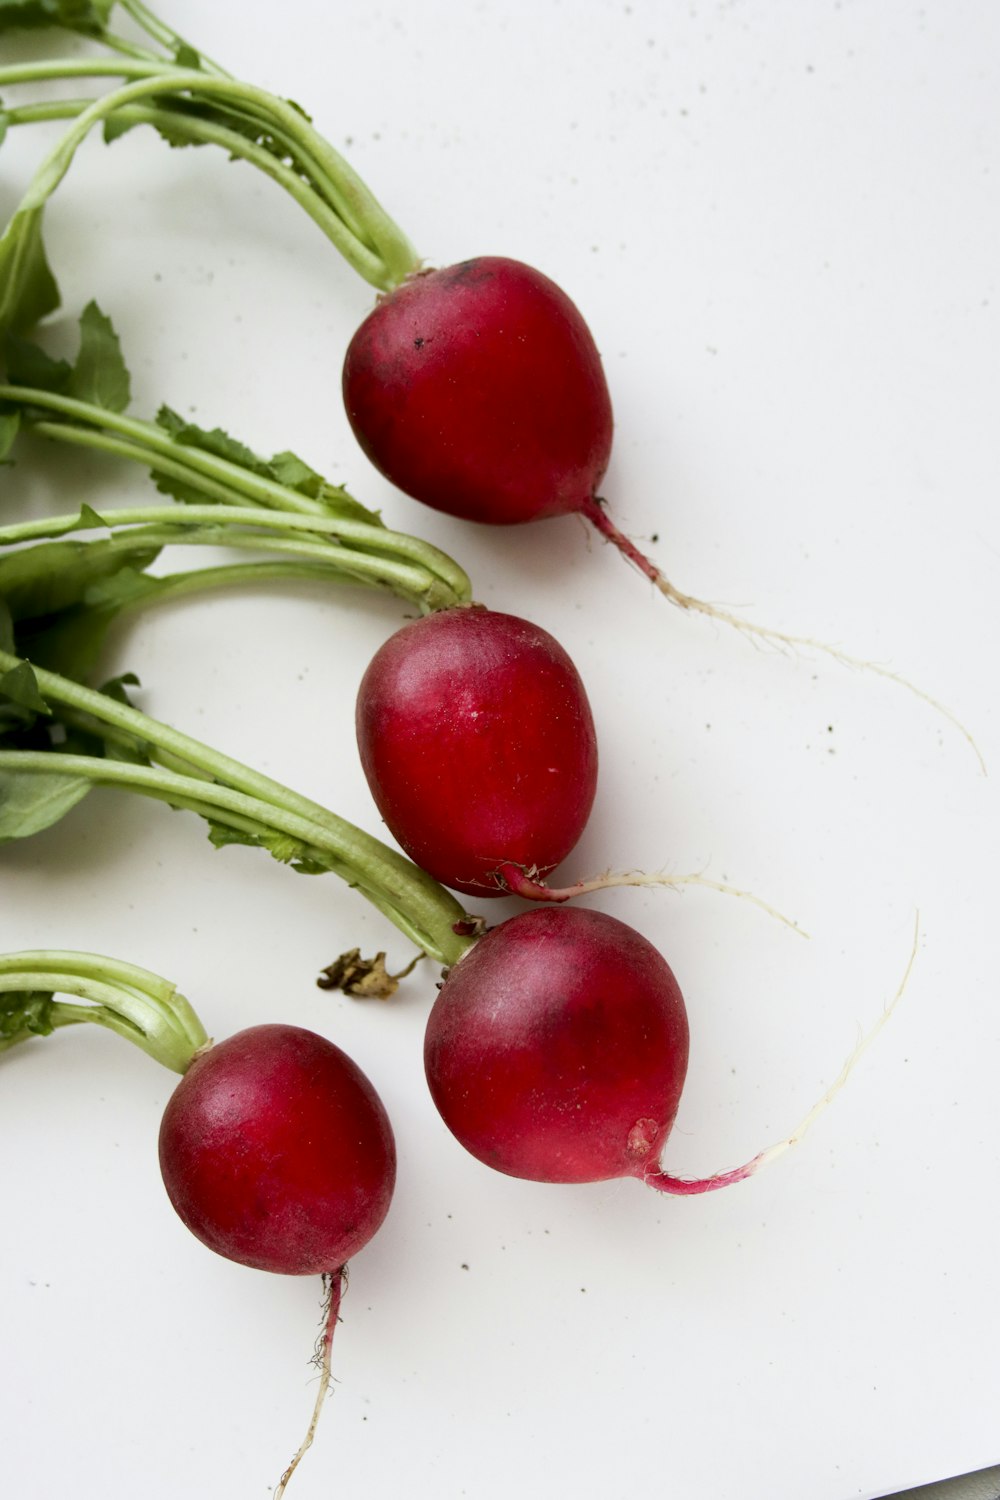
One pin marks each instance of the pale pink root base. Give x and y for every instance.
(594, 512)
(687, 1187)
(336, 1282)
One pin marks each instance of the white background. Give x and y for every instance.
(781, 223)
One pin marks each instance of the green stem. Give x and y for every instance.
(150, 436)
(138, 1005)
(408, 896)
(235, 575)
(202, 132)
(55, 69)
(316, 560)
(164, 34)
(126, 48)
(426, 917)
(336, 198)
(352, 567)
(438, 582)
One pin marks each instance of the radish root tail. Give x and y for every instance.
(596, 514)
(334, 1285)
(663, 1181)
(522, 883)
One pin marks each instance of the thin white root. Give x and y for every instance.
(640, 878)
(777, 637)
(331, 1310)
(781, 1146)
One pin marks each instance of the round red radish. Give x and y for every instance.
(557, 1048)
(277, 1152)
(478, 744)
(479, 390)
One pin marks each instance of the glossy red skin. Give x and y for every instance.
(557, 1048)
(277, 1152)
(478, 389)
(478, 744)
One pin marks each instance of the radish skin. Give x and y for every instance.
(276, 1152)
(478, 389)
(557, 1048)
(478, 744)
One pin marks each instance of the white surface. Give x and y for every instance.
(781, 222)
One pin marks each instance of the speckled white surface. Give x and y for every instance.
(781, 222)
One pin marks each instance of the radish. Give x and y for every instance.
(478, 389)
(275, 1149)
(557, 1048)
(477, 741)
(277, 1153)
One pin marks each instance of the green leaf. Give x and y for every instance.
(25, 1011)
(293, 471)
(30, 801)
(185, 56)
(6, 629)
(10, 426)
(39, 581)
(115, 126)
(16, 15)
(179, 489)
(63, 596)
(287, 469)
(281, 846)
(89, 520)
(27, 364)
(214, 440)
(338, 502)
(28, 289)
(88, 17)
(19, 685)
(71, 642)
(100, 375)
(220, 836)
(115, 687)
(126, 585)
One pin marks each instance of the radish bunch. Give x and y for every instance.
(557, 1047)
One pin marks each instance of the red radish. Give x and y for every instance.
(557, 1047)
(277, 1152)
(478, 744)
(479, 390)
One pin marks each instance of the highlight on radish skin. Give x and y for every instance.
(557, 1050)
